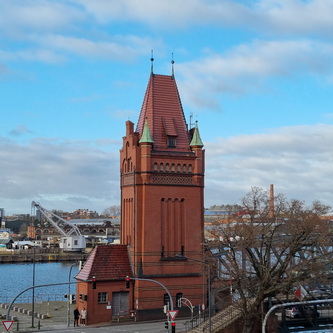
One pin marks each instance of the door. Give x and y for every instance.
(120, 303)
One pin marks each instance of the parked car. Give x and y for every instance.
(301, 311)
(293, 312)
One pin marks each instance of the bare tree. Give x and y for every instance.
(265, 254)
(111, 211)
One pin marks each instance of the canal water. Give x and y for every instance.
(14, 278)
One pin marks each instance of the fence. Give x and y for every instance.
(38, 298)
(219, 318)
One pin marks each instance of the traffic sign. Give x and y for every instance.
(300, 293)
(173, 314)
(7, 324)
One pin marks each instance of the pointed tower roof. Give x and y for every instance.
(196, 139)
(163, 111)
(146, 136)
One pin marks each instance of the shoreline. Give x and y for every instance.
(42, 257)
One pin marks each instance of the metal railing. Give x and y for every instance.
(38, 298)
(202, 318)
(223, 315)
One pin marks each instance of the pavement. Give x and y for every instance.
(48, 315)
(53, 317)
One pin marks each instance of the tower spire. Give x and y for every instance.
(152, 62)
(196, 139)
(146, 136)
(172, 67)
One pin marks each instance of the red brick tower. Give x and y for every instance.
(162, 199)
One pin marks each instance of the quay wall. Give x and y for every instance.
(42, 257)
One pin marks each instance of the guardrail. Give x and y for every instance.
(38, 298)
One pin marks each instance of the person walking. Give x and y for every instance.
(83, 316)
(76, 317)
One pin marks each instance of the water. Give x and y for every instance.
(14, 278)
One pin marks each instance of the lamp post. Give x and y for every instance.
(33, 289)
(209, 288)
(68, 294)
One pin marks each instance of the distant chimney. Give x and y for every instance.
(271, 201)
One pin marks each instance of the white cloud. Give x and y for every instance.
(116, 48)
(54, 171)
(297, 160)
(57, 27)
(70, 175)
(247, 67)
(37, 15)
(267, 16)
(297, 16)
(158, 13)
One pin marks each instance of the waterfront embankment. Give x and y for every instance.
(17, 256)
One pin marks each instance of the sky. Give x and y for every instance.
(257, 75)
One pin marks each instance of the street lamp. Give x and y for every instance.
(33, 289)
(209, 287)
(68, 294)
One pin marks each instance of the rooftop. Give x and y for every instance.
(106, 262)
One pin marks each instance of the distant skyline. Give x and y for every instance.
(257, 75)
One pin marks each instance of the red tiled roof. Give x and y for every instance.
(164, 112)
(106, 262)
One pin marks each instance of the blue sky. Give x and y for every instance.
(257, 75)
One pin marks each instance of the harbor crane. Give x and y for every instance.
(72, 239)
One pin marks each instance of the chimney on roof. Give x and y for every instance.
(271, 201)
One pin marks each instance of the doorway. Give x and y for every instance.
(120, 303)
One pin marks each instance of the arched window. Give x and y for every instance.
(167, 167)
(161, 167)
(190, 168)
(155, 167)
(172, 167)
(178, 167)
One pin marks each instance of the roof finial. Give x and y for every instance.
(152, 62)
(172, 62)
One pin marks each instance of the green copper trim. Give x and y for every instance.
(196, 140)
(146, 136)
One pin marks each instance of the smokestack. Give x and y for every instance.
(271, 201)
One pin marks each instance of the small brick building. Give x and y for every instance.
(108, 264)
